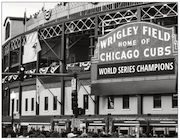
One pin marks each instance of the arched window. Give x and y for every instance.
(7, 31)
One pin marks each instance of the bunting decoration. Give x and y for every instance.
(50, 69)
(15, 77)
(86, 65)
(54, 68)
(43, 70)
(4, 79)
(29, 72)
(6, 69)
(10, 77)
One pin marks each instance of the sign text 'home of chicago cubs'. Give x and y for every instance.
(135, 41)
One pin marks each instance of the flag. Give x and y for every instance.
(31, 47)
(25, 18)
(39, 88)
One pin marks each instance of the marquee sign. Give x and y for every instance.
(135, 58)
(136, 41)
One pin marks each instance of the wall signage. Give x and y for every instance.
(139, 68)
(136, 41)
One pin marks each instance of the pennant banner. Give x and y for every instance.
(43, 70)
(4, 79)
(51, 69)
(54, 68)
(86, 65)
(15, 77)
(10, 77)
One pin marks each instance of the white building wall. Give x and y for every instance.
(47, 93)
(28, 94)
(15, 102)
(56, 92)
(166, 106)
(118, 106)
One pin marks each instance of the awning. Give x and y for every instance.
(135, 87)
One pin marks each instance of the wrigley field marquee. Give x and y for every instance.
(136, 49)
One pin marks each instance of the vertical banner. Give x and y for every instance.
(31, 48)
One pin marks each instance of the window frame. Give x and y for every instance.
(45, 103)
(125, 102)
(26, 104)
(85, 101)
(17, 105)
(54, 102)
(7, 31)
(157, 101)
(32, 104)
(174, 100)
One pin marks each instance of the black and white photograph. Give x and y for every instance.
(80, 69)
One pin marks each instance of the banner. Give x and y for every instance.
(31, 48)
(139, 68)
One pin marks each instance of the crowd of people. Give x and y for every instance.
(9, 133)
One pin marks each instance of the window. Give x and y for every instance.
(72, 58)
(110, 102)
(14, 56)
(86, 101)
(5, 62)
(55, 103)
(7, 31)
(26, 104)
(125, 102)
(32, 104)
(157, 101)
(46, 103)
(17, 104)
(174, 101)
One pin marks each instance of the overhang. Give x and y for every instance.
(135, 87)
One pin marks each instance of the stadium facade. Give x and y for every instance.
(125, 55)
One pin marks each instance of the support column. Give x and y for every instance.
(110, 124)
(20, 87)
(96, 109)
(137, 128)
(139, 104)
(37, 71)
(9, 93)
(9, 99)
(12, 113)
(96, 97)
(139, 13)
(62, 68)
(87, 124)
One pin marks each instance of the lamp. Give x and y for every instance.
(13, 96)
